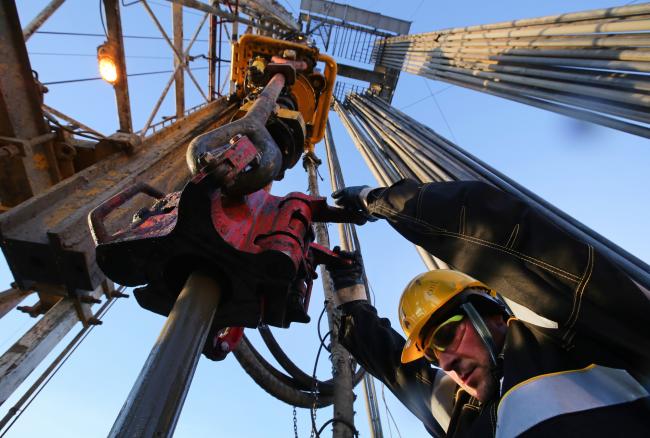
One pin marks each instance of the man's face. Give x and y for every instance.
(466, 359)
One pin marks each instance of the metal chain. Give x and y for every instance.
(295, 423)
(313, 409)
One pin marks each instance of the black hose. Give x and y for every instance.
(304, 380)
(266, 376)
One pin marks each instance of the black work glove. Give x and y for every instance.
(350, 199)
(349, 274)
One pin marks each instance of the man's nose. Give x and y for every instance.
(447, 361)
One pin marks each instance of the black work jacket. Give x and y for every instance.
(512, 247)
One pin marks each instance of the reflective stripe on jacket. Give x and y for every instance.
(532, 402)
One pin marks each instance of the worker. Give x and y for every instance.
(492, 374)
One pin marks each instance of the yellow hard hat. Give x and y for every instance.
(423, 297)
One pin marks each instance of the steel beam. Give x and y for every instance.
(338, 23)
(179, 67)
(67, 118)
(177, 23)
(180, 56)
(25, 355)
(51, 369)
(10, 298)
(212, 55)
(114, 28)
(41, 18)
(351, 14)
(195, 4)
(28, 352)
(155, 402)
(34, 168)
(270, 10)
(46, 239)
(359, 74)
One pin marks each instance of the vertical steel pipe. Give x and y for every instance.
(385, 171)
(155, 402)
(378, 115)
(349, 241)
(341, 370)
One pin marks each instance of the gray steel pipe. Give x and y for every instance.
(635, 268)
(155, 402)
(382, 170)
(466, 79)
(634, 39)
(349, 241)
(592, 65)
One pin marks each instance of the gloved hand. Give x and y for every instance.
(349, 274)
(352, 199)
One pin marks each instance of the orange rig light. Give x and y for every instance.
(107, 63)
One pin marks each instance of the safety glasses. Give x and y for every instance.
(442, 337)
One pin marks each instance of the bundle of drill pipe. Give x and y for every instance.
(396, 146)
(592, 65)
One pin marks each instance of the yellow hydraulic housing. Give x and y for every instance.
(311, 93)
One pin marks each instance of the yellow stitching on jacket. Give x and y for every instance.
(420, 197)
(436, 230)
(577, 299)
(461, 221)
(513, 237)
(493, 417)
(370, 207)
(592, 255)
(423, 379)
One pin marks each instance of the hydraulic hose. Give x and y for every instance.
(266, 376)
(303, 380)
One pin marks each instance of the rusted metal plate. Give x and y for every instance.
(46, 239)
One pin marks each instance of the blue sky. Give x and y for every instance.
(596, 174)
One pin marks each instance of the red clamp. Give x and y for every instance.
(223, 165)
(225, 341)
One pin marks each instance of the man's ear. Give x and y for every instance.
(496, 321)
(497, 326)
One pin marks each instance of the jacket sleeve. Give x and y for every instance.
(378, 348)
(515, 249)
